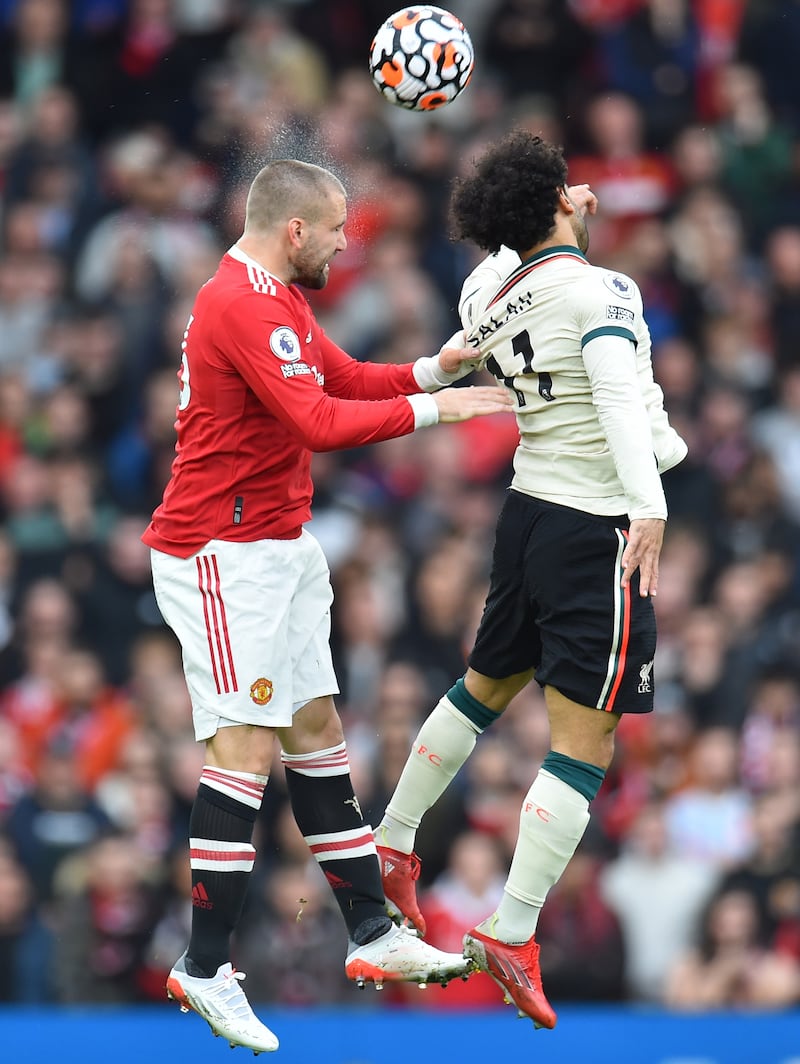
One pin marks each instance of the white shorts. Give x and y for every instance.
(254, 622)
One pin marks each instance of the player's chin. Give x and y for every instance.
(317, 280)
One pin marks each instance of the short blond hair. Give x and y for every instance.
(288, 188)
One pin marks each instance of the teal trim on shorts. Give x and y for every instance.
(584, 778)
(480, 715)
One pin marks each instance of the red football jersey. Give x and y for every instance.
(261, 387)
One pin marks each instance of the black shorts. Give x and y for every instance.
(555, 604)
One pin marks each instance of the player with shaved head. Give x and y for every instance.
(247, 590)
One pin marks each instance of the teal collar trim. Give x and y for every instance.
(555, 249)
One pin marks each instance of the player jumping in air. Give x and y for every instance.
(247, 590)
(577, 544)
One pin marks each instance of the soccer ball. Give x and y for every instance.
(421, 58)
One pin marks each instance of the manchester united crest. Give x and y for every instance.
(261, 691)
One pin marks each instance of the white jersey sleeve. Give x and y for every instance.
(615, 345)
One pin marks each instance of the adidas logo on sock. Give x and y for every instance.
(335, 882)
(200, 899)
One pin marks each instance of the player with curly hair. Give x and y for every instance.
(577, 544)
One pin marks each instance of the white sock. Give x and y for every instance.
(553, 819)
(443, 744)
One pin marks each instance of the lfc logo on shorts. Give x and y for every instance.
(261, 691)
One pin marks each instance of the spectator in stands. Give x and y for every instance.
(730, 967)
(104, 917)
(710, 820)
(655, 57)
(26, 943)
(630, 181)
(470, 885)
(651, 876)
(56, 819)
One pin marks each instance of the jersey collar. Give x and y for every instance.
(534, 262)
(555, 249)
(236, 252)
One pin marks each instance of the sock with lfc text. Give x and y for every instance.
(221, 856)
(553, 819)
(445, 741)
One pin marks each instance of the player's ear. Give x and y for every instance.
(295, 229)
(564, 202)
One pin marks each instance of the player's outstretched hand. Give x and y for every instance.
(459, 359)
(460, 404)
(642, 552)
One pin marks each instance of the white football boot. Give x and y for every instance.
(399, 955)
(222, 1004)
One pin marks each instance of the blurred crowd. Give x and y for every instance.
(129, 133)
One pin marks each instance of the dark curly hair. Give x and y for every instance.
(511, 197)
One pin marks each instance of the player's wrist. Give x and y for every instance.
(430, 376)
(426, 410)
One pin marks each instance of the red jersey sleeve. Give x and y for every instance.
(349, 379)
(282, 355)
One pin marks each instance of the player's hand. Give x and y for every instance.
(461, 404)
(583, 198)
(452, 359)
(642, 552)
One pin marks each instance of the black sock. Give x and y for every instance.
(222, 857)
(329, 817)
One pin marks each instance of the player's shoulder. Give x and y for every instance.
(237, 271)
(618, 284)
(483, 282)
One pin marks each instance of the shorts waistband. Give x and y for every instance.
(610, 521)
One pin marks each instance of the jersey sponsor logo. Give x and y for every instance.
(300, 369)
(619, 285)
(645, 683)
(285, 344)
(295, 369)
(619, 313)
(261, 691)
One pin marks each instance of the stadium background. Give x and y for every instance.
(128, 136)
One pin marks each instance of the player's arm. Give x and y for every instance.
(610, 362)
(293, 393)
(609, 338)
(669, 447)
(349, 379)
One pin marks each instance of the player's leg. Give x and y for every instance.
(329, 816)
(555, 812)
(553, 819)
(221, 852)
(443, 744)
(327, 811)
(237, 673)
(505, 653)
(323, 802)
(597, 645)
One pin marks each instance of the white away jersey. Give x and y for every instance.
(570, 340)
